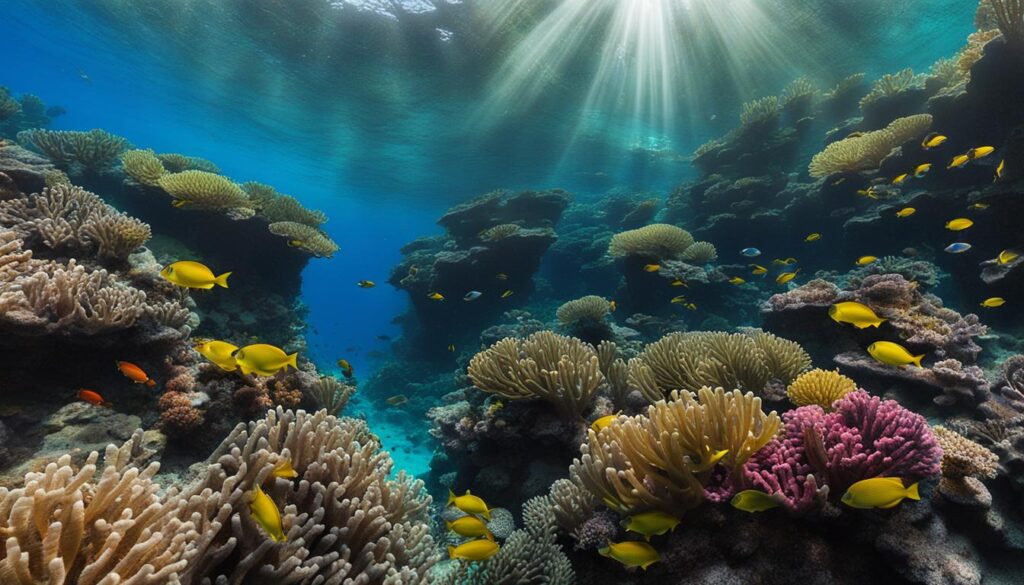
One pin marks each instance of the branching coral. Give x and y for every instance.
(821, 387)
(588, 308)
(176, 163)
(8, 105)
(858, 153)
(892, 84)
(287, 208)
(143, 166)
(762, 112)
(799, 95)
(306, 238)
(651, 461)
(962, 458)
(92, 151)
(499, 232)
(657, 241)
(782, 470)
(205, 190)
(563, 371)
(689, 361)
(845, 86)
(700, 253)
(331, 395)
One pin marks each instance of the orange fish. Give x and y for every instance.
(93, 398)
(135, 373)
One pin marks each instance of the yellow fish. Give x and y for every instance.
(284, 470)
(265, 513)
(754, 501)
(932, 140)
(397, 400)
(691, 306)
(901, 179)
(346, 367)
(469, 504)
(191, 274)
(603, 422)
(678, 300)
(978, 206)
(264, 360)
(366, 284)
(758, 270)
(980, 152)
(652, 267)
(906, 212)
(879, 492)
(922, 170)
(959, 161)
(869, 193)
(495, 407)
(865, 260)
(507, 294)
(220, 353)
(435, 296)
(893, 354)
(648, 524)
(180, 203)
(736, 280)
(993, 302)
(678, 282)
(958, 224)
(451, 347)
(813, 237)
(1007, 256)
(786, 277)
(470, 527)
(631, 553)
(710, 461)
(474, 550)
(999, 170)
(857, 314)
(612, 305)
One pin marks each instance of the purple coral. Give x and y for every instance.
(782, 468)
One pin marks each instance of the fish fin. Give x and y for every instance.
(291, 361)
(222, 280)
(892, 505)
(878, 323)
(150, 382)
(448, 525)
(489, 536)
(451, 552)
(486, 514)
(917, 360)
(451, 497)
(604, 552)
(912, 492)
(648, 564)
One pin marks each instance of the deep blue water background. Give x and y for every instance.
(383, 182)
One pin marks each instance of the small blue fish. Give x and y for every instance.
(958, 247)
(750, 252)
(472, 295)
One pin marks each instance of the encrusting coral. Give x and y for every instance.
(866, 151)
(143, 166)
(563, 371)
(306, 238)
(821, 387)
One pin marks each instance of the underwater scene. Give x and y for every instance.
(511, 292)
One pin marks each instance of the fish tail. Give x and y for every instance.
(878, 323)
(448, 525)
(489, 536)
(486, 514)
(451, 552)
(150, 382)
(222, 280)
(917, 360)
(912, 492)
(291, 360)
(451, 497)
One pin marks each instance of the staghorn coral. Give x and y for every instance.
(177, 163)
(93, 151)
(859, 153)
(761, 112)
(287, 208)
(700, 253)
(588, 308)
(845, 86)
(650, 461)
(331, 395)
(499, 231)
(66, 525)
(799, 95)
(820, 387)
(306, 238)
(205, 190)
(689, 361)
(658, 241)
(143, 167)
(891, 85)
(1009, 15)
(563, 371)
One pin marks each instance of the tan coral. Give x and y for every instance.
(306, 238)
(331, 395)
(498, 232)
(700, 253)
(761, 112)
(143, 166)
(657, 241)
(962, 457)
(588, 308)
(859, 153)
(287, 208)
(177, 163)
(205, 190)
(820, 387)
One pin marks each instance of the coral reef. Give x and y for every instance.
(143, 166)
(867, 150)
(306, 238)
(204, 190)
(820, 387)
(92, 152)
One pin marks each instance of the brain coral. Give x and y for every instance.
(656, 241)
(859, 153)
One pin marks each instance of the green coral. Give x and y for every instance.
(177, 163)
(304, 237)
(8, 105)
(92, 151)
(205, 190)
(143, 166)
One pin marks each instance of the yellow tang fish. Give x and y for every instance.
(180, 203)
(754, 501)
(710, 461)
(507, 294)
(603, 422)
(652, 267)
(978, 206)
(857, 314)
(435, 296)
(191, 274)
(893, 354)
(865, 260)
(958, 224)
(678, 282)
(869, 193)
(284, 470)
(813, 237)
(470, 527)
(1007, 256)
(691, 306)
(959, 161)
(901, 179)
(758, 270)
(220, 353)
(264, 360)
(265, 513)
(366, 284)
(906, 212)
(631, 553)
(652, 523)
(469, 504)
(474, 550)
(980, 152)
(993, 302)
(999, 170)
(932, 140)
(397, 400)
(736, 280)
(922, 170)
(879, 492)
(612, 306)
(678, 300)
(786, 277)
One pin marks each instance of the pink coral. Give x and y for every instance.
(782, 468)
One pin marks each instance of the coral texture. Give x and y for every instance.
(821, 387)
(657, 241)
(143, 166)
(588, 308)
(866, 151)
(306, 238)
(204, 190)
